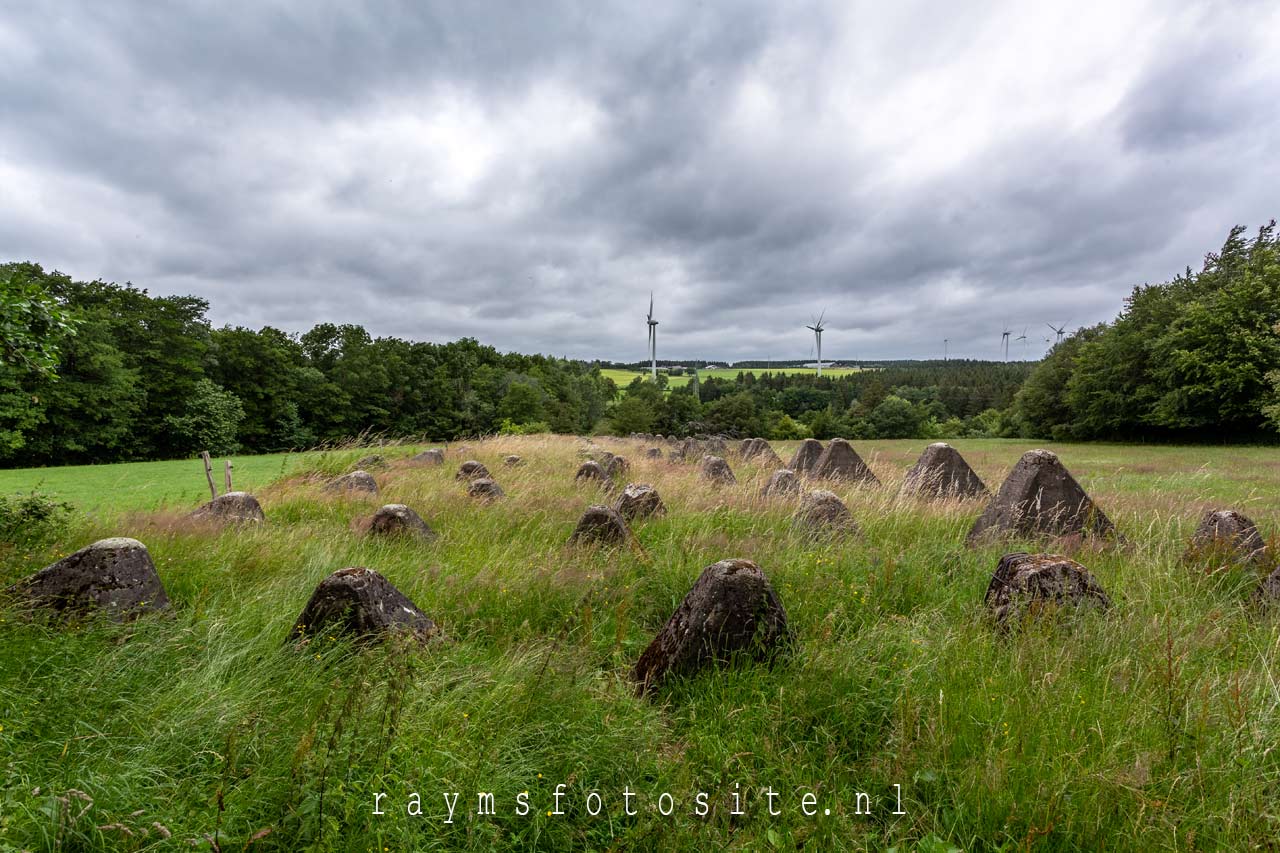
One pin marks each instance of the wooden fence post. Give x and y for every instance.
(208, 473)
(229, 476)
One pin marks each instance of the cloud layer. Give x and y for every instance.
(527, 173)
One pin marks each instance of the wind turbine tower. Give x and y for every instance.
(1023, 337)
(1004, 341)
(816, 328)
(1058, 330)
(653, 341)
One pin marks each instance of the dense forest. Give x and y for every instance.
(100, 372)
(144, 377)
(1193, 359)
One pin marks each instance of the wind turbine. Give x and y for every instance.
(1023, 337)
(945, 347)
(816, 328)
(653, 341)
(1058, 330)
(1004, 341)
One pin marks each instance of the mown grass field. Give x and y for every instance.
(623, 378)
(154, 485)
(1153, 727)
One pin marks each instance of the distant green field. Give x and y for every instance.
(623, 378)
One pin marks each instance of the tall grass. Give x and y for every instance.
(1154, 727)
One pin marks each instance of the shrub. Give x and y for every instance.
(508, 427)
(32, 519)
(787, 429)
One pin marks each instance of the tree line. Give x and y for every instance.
(101, 372)
(1192, 359)
(112, 373)
(117, 374)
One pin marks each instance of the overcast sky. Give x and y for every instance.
(526, 173)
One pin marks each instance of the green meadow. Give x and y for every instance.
(910, 722)
(145, 485)
(153, 485)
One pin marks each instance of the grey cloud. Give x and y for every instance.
(299, 164)
(1194, 99)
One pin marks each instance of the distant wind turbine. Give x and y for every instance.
(1058, 330)
(1004, 341)
(1023, 337)
(653, 340)
(816, 328)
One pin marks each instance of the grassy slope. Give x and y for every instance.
(1154, 728)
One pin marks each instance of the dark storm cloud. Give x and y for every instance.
(527, 173)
